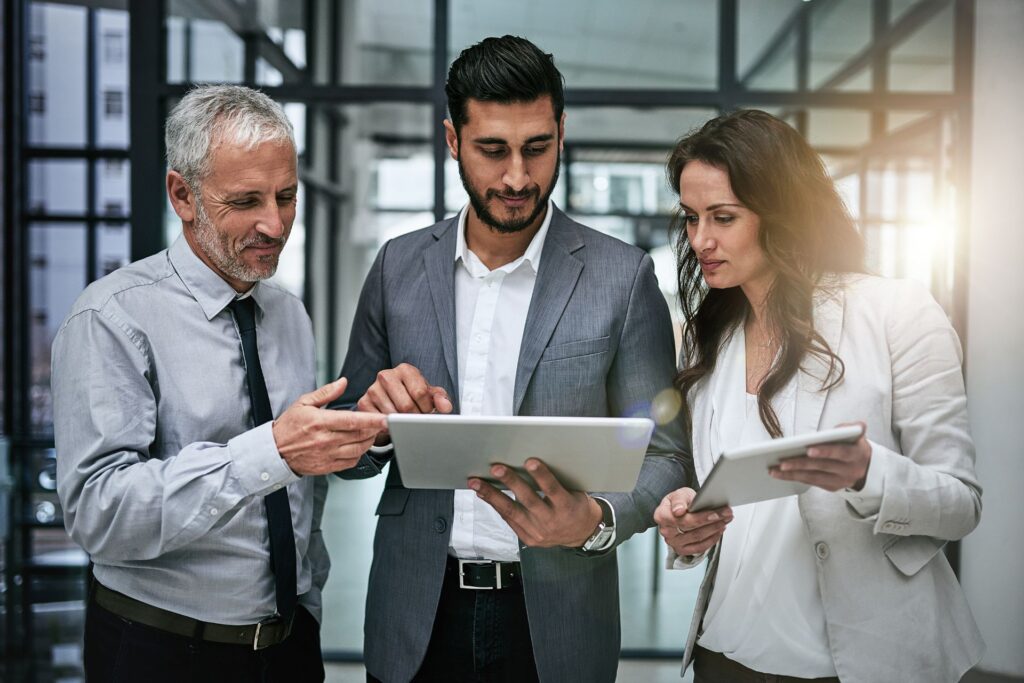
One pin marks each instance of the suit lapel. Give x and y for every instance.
(828, 321)
(439, 261)
(556, 280)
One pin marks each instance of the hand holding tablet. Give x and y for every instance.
(742, 475)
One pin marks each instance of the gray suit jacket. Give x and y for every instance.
(597, 342)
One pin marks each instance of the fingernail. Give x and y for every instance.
(713, 517)
(679, 510)
(531, 465)
(498, 471)
(813, 452)
(474, 484)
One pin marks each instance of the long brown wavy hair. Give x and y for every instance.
(805, 233)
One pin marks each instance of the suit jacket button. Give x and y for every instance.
(821, 550)
(440, 525)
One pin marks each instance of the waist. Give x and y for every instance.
(714, 666)
(264, 633)
(484, 574)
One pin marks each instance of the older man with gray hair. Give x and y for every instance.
(199, 509)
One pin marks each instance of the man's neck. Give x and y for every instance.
(495, 248)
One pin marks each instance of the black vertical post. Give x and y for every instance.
(147, 72)
(91, 212)
(440, 103)
(803, 64)
(880, 13)
(728, 29)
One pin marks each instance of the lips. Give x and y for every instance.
(710, 266)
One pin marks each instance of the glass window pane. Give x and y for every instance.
(388, 43)
(56, 75)
(843, 128)
(111, 49)
(113, 197)
(113, 247)
(201, 47)
(57, 186)
(605, 43)
(924, 61)
(840, 30)
(56, 278)
(766, 48)
(291, 267)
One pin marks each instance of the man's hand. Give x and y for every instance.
(402, 390)
(689, 533)
(561, 517)
(831, 466)
(316, 441)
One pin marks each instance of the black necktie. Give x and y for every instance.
(279, 516)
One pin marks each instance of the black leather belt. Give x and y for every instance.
(268, 632)
(484, 575)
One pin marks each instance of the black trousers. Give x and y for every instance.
(714, 667)
(121, 651)
(479, 636)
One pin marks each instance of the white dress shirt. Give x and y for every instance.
(490, 315)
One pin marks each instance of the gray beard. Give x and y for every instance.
(217, 248)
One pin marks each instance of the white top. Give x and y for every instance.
(490, 315)
(765, 610)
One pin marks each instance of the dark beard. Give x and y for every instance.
(517, 224)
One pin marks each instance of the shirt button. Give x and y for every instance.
(264, 476)
(821, 550)
(440, 525)
(888, 526)
(213, 512)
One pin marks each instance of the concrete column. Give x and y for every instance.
(993, 556)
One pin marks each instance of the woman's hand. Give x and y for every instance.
(832, 466)
(689, 533)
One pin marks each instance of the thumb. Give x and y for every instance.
(324, 394)
(679, 501)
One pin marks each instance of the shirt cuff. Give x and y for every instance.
(257, 464)
(868, 501)
(674, 561)
(382, 450)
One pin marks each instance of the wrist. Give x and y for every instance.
(602, 536)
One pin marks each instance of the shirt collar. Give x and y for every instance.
(531, 256)
(207, 287)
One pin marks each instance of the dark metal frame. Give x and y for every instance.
(150, 94)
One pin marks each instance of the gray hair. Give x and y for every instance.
(211, 114)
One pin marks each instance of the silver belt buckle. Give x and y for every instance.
(497, 575)
(270, 621)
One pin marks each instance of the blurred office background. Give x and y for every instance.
(912, 103)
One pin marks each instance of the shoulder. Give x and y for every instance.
(609, 253)
(138, 279)
(883, 294)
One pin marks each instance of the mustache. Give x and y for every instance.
(261, 240)
(515, 194)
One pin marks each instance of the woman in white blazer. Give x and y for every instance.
(785, 334)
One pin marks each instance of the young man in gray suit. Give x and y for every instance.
(510, 308)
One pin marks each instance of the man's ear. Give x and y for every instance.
(181, 196)
(561, 133)
(451, 138)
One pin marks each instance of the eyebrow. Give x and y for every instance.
(244, 194)
(713, 207)
(547, 137)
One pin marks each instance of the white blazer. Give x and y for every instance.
(894, 610)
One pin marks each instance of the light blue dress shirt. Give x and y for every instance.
(159, 469)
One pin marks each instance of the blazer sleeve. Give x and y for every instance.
(368, 354)
(929, 488)
(641, 375)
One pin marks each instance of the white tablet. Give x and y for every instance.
(741, 475)
(585, 453)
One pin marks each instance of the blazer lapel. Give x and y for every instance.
(439, 261)
(556, 280)
(828, 321)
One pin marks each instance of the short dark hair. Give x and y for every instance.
(504, 70)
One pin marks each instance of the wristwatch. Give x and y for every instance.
(605, 532)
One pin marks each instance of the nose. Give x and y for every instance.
(516, 176)
(700, 237)
(270, 222)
